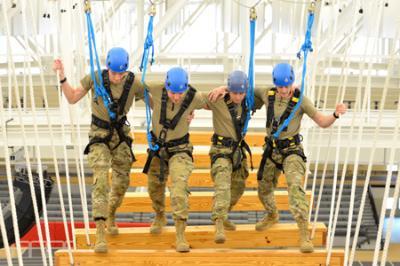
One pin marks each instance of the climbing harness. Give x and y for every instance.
(237, 154)
(168, 124)
(294, 104)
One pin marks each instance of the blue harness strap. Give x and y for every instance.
(305, 48)
(99, 89)
(148, 43)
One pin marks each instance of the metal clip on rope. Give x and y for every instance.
(152, 11)
(88, 7)
(253, 13)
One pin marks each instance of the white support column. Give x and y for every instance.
(168, 17)
(186, 24)
(66, 50)
(245, 36)
(263, 33)
(11, 11)
(163, 23)
(227, 27)
(80, 35)
(138, 43)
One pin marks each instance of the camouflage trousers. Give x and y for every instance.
(229, 186)
(294, 168)
(180, 167)
(101, 158)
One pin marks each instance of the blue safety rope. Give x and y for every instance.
(148, 43)
(250, 91)
(305, 48)
(99, 89)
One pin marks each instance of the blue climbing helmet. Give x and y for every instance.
(238, 82)
(117, 60)
(283, 75)
(177, 80)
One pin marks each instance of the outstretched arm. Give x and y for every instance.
(73, 95)
(217, 93)
(325, 121)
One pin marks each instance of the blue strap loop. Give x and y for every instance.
(148, 43)
(250, 91)
(305, 48)
(99, 89)
(307, 45)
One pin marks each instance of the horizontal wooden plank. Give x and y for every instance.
(202, 201)
(200, 178)
(203, 138)
(245, 236)
(206, 257)
(201, 160)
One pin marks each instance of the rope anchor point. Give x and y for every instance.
(253, 13)
(152, 11)
(88, 7)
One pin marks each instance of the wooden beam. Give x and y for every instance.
(289, 257)
(202, 201)
(245, 236)
(203, 138)
(200, 178)
(201, 160)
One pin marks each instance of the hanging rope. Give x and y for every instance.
(311, 130)
(333, 218)
(76, 135)
(372, 152)
(54, 154)
(2, 224)
(389, 225)
(348, 257)
(77, 139)
(99, 89)
(250, 92)
(12, 72)
(66, 161)
(5, 146)
(148, 43)
(37, 147)
(305, 48)
(362, 110)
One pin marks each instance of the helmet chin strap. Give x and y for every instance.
(289, 94)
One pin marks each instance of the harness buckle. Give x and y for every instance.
(167, 123)
(113, 106)
(162, 137)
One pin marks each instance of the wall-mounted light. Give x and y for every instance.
(389, 203)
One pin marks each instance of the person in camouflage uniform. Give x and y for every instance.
(110, 144)
(173, 102)
(286, 152)
(229, 169)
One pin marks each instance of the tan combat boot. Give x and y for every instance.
(181, 243)
(158, 223)
(229, 225)
(219, 231)
(112, 227)
(101, 242)
(268, 221)
(306, 245)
